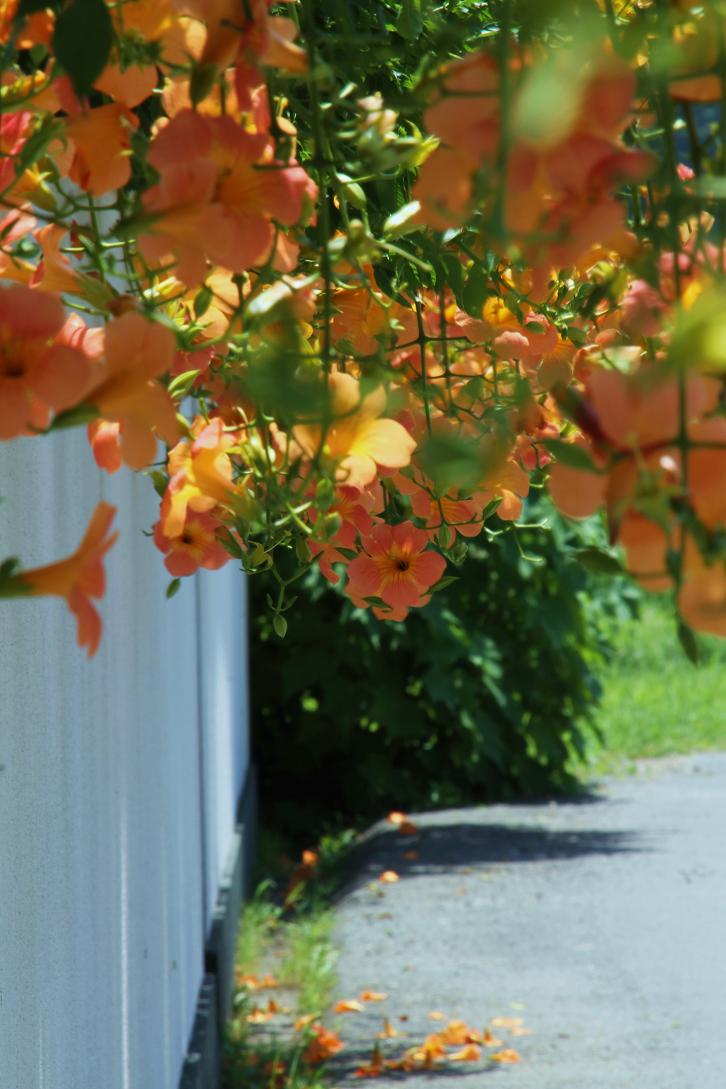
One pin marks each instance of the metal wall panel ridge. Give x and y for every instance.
(104, 799)
(224, 697)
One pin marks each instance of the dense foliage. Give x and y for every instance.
(366, 271)
(487, 693)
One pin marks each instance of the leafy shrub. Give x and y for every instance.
(484, 694)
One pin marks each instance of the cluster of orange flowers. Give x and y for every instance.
(176, 234)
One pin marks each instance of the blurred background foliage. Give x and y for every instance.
(654, 703)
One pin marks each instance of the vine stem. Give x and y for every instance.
(321, 163)
(421, 341)
(504, 107)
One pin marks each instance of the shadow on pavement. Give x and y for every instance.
(444, 847)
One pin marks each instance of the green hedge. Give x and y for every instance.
(484, 694)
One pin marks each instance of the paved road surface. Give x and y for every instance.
(602, 923)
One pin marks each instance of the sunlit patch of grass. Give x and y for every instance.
(286, 971)
(260, 918)
(309, 962)
(655, 702)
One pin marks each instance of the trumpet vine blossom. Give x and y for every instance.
(343, 327)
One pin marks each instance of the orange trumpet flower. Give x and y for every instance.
(80, 577)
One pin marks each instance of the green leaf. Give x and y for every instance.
(29, 7)
(82, 42)
(377, 602)
(324, 494)
(687, 639)
(569, 454)
(410, 23)
(181, 385)
(476, 290)
(280, 625)
(353, 192)
(458, 552)
(443, 582)
(8, 567)
(699, 337)
(599, 561)
(302, 550)
(492, 507)
(577, 336)
(228, 540)
(73, 417)
(256, 556)
(454, 275)
(10, 584)
(202, 81)
(160, 481)
(202, 299)
(128, 229)
(44, 132)
(404, 220)
(710, 187)
(173, 587)
(451, 462)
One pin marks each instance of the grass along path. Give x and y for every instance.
(655, 702)
(278, 1036)
(285, 977)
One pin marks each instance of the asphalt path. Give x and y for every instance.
(601, 923)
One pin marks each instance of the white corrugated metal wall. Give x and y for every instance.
(119, 783)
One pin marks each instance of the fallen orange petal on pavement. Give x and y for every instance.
(373, 1068)
(389, 1032)
(323, 1045)
(388, 877)
(248, 981)
(348, 1005)
(369, 1070)
(508, 1055)
(458, 1032)
(469, 1054)
(259, 1017)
